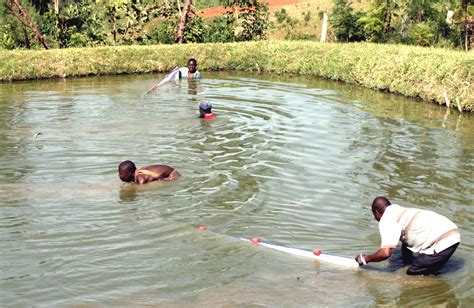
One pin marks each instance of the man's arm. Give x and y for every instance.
(379, 255)
(142, 178)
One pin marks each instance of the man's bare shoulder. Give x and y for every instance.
(160, 172)
(159, 168)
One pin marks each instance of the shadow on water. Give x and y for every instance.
(421, 293)
(412, 291)
(131, 192)
(390, 285)
(192, 87)
(128, 193)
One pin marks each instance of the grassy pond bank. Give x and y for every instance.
(438, 75)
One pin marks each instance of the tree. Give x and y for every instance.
(16, 8)
(254, 22)
(182, 23)
(344, 22)
(467, 20)
(378, 21)
(236, 5)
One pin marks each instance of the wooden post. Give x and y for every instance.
(465, 38)
(324, 30)
(466, 33)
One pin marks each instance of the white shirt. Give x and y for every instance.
(183, 71)
(422, 231)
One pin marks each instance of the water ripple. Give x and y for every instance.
(292, 161)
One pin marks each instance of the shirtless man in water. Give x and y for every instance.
(128, 172)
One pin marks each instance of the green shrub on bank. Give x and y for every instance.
(422, 23)
(433, 74)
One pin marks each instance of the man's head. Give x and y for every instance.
(126, 171)
(378, 207)
(205, 108)
(192, 65)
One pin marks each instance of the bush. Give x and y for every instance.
(13, 35)
(78, 40)
(306, 17)
(164, 32)
(221, 29)
(195, 30)
(421, 34)
(372, 28)
(345, 22)
(281, 16)
(47, 24)
(7, 42)
(255, 22)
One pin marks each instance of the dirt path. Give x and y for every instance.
(218, 10)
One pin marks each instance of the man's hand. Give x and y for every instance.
(379, 255)
(361, 259)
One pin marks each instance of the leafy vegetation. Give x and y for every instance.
(88, 23)
(292, 27)
(415, 22)
(254, 22)
(433, 74)
(345, 22)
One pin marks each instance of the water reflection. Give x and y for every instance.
(128, 193)
(401, 159)
(192, 87)
(424, 291)
(391, 286)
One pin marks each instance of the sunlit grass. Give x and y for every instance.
(433, 74)
(311, 28)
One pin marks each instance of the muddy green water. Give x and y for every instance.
(293, 161)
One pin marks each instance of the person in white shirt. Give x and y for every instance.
(432, 236)
(189, 72)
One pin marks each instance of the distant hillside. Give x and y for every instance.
(304, 16)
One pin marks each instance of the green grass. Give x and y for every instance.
(432, 74)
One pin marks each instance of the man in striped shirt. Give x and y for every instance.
(432, 236)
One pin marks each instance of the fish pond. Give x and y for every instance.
(291, 160)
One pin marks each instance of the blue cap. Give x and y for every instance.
(205, 106)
